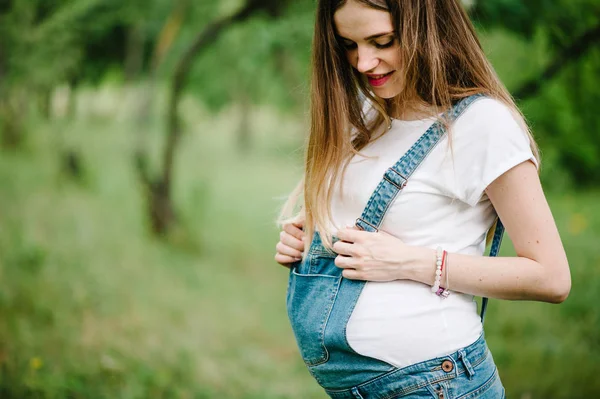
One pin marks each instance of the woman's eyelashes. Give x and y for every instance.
(387, 44)
(382, 44)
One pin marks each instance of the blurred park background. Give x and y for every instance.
(145, 149)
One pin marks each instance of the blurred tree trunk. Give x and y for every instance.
(11, 126)
(206, 37)
(45, 102)
(10, 120)
(134, 53)
(244, 139)
(71, 160)
(156, 195)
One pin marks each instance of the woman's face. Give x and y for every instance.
(371, 46)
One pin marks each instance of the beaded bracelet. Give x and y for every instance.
(440, 262)
(447, 289)
(444, 292)
(438, 270)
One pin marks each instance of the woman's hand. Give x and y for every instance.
(291, 244)
(376, 256)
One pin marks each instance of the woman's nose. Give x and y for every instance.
(366, 61)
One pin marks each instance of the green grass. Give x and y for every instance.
(92, 306)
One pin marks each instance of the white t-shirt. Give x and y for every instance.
(444, 204)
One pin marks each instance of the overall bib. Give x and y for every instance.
(320, 302)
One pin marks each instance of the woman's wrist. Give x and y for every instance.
(421, 268)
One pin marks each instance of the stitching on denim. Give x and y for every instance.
(345, 335)
(408, 164)
(322, 332)
(445, 378)
(366, 382)
(474, 364)
(486, 385)
(412, 154)
(387, 205)
(412, 388)
(417, 153)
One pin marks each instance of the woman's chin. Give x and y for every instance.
(385, 93)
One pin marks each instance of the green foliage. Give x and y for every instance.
(567, 124)
(93, 307)
(563, 111)
(563, 19)
(45, 42)
(264, 60)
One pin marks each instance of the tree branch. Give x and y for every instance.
(207, 36)
(577, 49)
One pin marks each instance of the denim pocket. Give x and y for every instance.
(484, 384)
(310, 298)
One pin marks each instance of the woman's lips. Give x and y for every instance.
(379, 80)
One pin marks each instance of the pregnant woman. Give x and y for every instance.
(417, 157)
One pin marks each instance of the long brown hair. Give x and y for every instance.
(443, 62)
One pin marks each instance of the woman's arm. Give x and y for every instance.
(540, 271)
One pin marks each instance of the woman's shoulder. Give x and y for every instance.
(493, 118)
(487, 140)
(489, 110)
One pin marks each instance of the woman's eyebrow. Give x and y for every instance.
(375, 36)
(378, 35)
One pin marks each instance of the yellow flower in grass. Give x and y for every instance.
(577, 224)
(35, 363)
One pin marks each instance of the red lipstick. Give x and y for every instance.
(379, 80)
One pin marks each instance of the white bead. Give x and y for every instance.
(438, 263)
(438, 273)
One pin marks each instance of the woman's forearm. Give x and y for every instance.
(516, 278)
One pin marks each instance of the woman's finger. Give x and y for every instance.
(287, 250)
(344, 248)
(285, 260)
(291, 241)
(344, 262)
(294, 231)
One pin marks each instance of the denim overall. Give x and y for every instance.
(320, 302)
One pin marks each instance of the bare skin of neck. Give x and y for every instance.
(411, 111)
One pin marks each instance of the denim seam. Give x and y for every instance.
(412, 388)
(322, 332)
(473, 364)
(387, 206)
(375, 210)
(348, 315)
(486, 385)
(417, 153)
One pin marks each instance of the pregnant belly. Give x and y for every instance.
(403, 323)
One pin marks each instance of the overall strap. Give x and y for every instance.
(496, 241)
(395, 178)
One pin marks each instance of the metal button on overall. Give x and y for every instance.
(447, 366)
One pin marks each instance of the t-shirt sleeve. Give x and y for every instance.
(487, 141)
